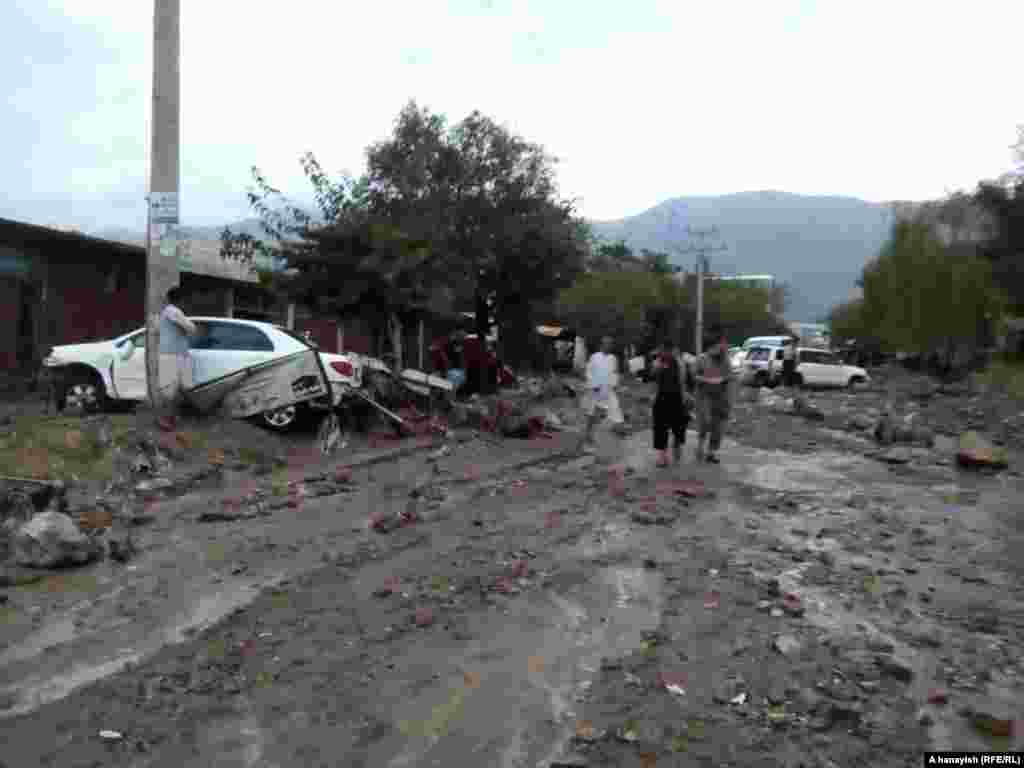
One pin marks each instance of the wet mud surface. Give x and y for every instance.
(791, 606)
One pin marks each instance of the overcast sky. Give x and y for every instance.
(641, 100)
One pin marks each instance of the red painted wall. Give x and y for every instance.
(10, 301)
(325, 332)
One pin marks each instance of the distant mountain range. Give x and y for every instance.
(247, 226)
(817, 245)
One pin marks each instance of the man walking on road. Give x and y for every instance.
(672, 403)
(714, 379)
(601, 401)
(175, 362)
(788, 362)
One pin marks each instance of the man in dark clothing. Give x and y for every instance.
(789, 362)
(673, 401)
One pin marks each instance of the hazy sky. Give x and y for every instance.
(640, 100)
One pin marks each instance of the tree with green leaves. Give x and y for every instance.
(741, 311)
(922, 296)
(487, 199)
(618, 304)
(350, 256)
(1004, 249)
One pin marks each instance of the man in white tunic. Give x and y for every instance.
(175, 362)
(600, 400)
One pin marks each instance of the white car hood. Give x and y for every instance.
(99, 353)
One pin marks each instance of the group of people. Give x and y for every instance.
(683, 387)
(469, 364)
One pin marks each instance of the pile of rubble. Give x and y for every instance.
(917, 416)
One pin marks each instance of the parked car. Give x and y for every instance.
(96, 374)
(762, 366)
(822, 368)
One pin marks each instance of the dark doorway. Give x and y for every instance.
(27, 354)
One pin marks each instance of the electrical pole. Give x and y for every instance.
(702, 249)
(164, 178)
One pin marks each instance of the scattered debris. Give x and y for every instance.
(976, 451)
(122, 548)
(52, 540)
(792, 604)
(787, 645)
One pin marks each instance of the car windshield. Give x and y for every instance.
(757, 354)
(292, 334)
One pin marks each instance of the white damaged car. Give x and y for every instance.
(93, 375)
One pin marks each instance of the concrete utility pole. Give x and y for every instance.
(164, 178)
(702, 249)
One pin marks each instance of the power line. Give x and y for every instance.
(701, 250)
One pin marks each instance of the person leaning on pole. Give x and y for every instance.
(175, 362)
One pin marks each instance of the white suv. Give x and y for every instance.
(821, 368)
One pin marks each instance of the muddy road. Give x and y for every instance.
(803, 603)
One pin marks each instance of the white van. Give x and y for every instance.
(756, 341)
(765, 341)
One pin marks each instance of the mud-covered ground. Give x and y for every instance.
(804, 603)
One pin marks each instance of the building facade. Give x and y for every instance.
(62, 287)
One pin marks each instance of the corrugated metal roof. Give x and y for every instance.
(27, 233)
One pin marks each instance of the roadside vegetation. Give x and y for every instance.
(467, 218)
(49, 447)
(946, 279)
(1006, 377)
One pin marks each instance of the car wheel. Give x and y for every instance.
(84, 393)
(280, 419)
(798, 381)
(855, 381)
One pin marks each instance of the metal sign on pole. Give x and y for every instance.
(162, 214)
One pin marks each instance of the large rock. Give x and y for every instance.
(808, 410)
(976, 451)
(51, 540)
